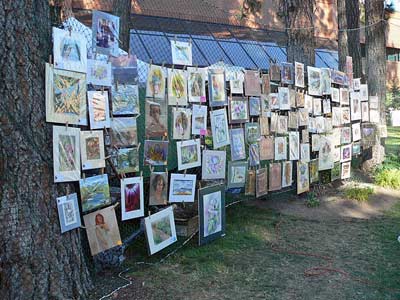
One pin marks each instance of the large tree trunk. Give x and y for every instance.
(122, 8)
(301, 42)
(342, 34)
(36, 261)
(375, 46)
(353, 36)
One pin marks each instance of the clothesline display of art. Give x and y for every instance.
(253, 132)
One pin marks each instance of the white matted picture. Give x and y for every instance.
(317, 106)
(326, 106)
(132, 201)
(344, 96)
(181, 53)
(303, 179)
(345, 135)
(92, 149)
(326, 81)
(70, 50)
(155, 86)
(345, 153)
(299, 74)
(283, 94)
(287, 73)
(68, 212)
(99, 111)
(373, 102)
(182, 187)
(213, 166)
(308, 103)
(364, 112)
(325, 159)
(237, 172)
(105, 32)
(273, 101)
(294, 143)
(282, 124)
(181, 123)
(314, 81)
(189, 155)
(356, 129)
(158, 188)
(280, 148)
(160, 230)
(346, 119)
(66, 154)
(98, 72)
(335, 95)
(287, 170)
(238, 149)
(305, 152)
(236, 85)
(364, 92)
(177, 87)
(346, 170)
(336, 116)
(293, 122)
(355, 106)
(197, 84)
(356, 84)
(199, 119)
(219, 128)
(217, 88)
(254, 106)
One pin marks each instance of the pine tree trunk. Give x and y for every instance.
(36, 261)
(342, 34)
(353, 36)
(122, 8)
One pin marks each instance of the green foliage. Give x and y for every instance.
(389, 178)
(393, 96)
(312, 200)
(359, 193)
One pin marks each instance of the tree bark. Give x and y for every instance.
(343, 48)
(353, 36)
(122, 8)
(301, 42)
(36, 261)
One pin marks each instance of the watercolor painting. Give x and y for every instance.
(123, 132)
(98, 72)
(132, 199)
(287, 170)
(213, 166)
(254, 154)
(238, 110)
(189, 154)
(275, 177)
(266, 148)
(261, 182)
(237, 172)
(105, 32)
(287, 73)
(181, 53)
(217, 88)
(155, 87)
(92, 149)
(314, 81)
(197, 84)
(255, 106)
(303, 181)
(238, 150)
(182, 187)
(95, 192)
(155, 152)
(68, 212)
(125, 100)
(199, 119)
(219, 128)
(299, 74)
(158, 188)
(156, 118)
(177, 87)
(252, 86)
(99, 111)
(181, 123)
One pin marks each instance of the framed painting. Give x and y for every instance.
(345, 136)
(345, 153)
(275, 177)
(293, 122)
(364, 92)
(294, 144)
(211, 213)
(287, 170)
(132, 200)
(197, 84)
(181, 53)
(274, 101)
(255, 106)
(92, 149)
(237, 172)
(189, 155)
(335, 95)
(261, 182)
(356, 130)
(69, 50)
(275, 72)
(287, 73)
(219, 128)
(160, 230)
(252, 86)
(68, 212)
(250, 186)
(336, 116)
(305, 152)
(156, 117)
(326, 81)
(299, 74)
(345, 170)
(282, 124)
(254, 154)
(303, 181)
(155, 85)
(105, 32)
(238, 148)
(283, 94)
(182, 187)
(126, 160)
(98, 73)
(214, 163)
(344, 96)
(355, 106)
(325, 158)
(217, 88)
(238, 110)
(346, 115)
(314, 81)
(317, 106)
(123, 132)
(95, 192)
(199, 119)
(181, 123)
(65, 97)
(236, 86)
(252, 132)
(314, 173)
(125, 100)
(264, 126)
(158, 188)
(177, 87)
(99, 111)
(266, 148)
(66, 154)
(280, 148)
(155, 152)
(102, 230)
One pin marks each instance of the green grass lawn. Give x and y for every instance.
(392, 145)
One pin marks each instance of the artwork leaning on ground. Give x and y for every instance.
(185, 134)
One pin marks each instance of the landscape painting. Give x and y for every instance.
(182, 187)
(95, 192)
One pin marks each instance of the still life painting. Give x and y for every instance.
(155, 152)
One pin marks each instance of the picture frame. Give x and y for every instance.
(155, 152)
(280, 148)
(287, 73)
(266, 147)
(217, 88)
(238, 148)
(299, 74)
(105, 32)
(252, 132)
(356, 130)
(99, 111)
(68, 212)
(254, 106)
(345, 136)
(364, 92)
(345, 170)
(335, 95)
(344, 96)
(69, 50)
(125, 100)
(189, 154)
(275, 177)
(102, 230)
(199, 119)
(65, 97)
(219, 128)
(156, 118)
(126, 160)
(92, 149)
(160, 230)
(95, 192)
(123, 132)
(181, 127)
(98, 73)
(158, 191)
(132, 199)
(274, 101)
(254, 154)
(314, 81)
(294, 144)
(182, 188)
(345, 153)
(305, 137)
(283, 94)
(287, 170)
(66, 154)
(155, 85)
(237, 174)
(355, 106)
(177, 87)
(252, 86)
(181, 53)
(197, 84)
(236, 85)
(211, 213)
(214, 164)
(303, 181)
(238, 110)
(261, 182)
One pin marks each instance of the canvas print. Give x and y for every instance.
(99, 112)
(69, 50)
(181, 123)
(237, 172)
(219, 128)
(181, 53)
(177, 87)
(305, 152)
(326, 81)
(325, 158)
(156, 116)
(213, 166)
(364, 92)
(261, 182)
(287, 73)
(254, 154)
(197, 84)
(275, 177)
(274, 101)
(125, 100)
(346, 170)
(126, 160)
(155, 152)
(299, 74)
(105, 32)
(211, 213)
(238, 150)
(155, 87)
(252, 132)
(92, 149)
(303, 181)
(199, 119)
(95, 192)
(364, 112)
(344, 96)
(283, 94)
(102, 230)
(355, 106)
(238, 110)
(252, 85)
(132, 201)
(189, 155)
(217, 88)
(264, 125)
(275, 72)
(123, 132)
(287, 170)
(158, 188)
(65, 97)
(68, 212)
(160, 230)
(345, 153)
(255, 106)
(182, 187)
(335, 95)
(266, 145)
(282, 125)
(294, 144)
(236, 86)
(280, 148)
(66, 154)
(314, 81)
(98, 72)
(250, 186)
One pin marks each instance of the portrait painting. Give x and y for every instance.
(68, 212)
(132, 200)
(126, 160)
(95, 192)
(181, 53)
(155, 86)
(99, 111)
(303, 181)
(237, 172)
(287, 73)
(199, 119)
(125, 99)
(266, 148)
(123, 132)
(213, 166)
(217, 88)
(299, 74)
(238, 110)
(261, 182)
(182, 187)
(189, 154)
(158, 188)
(156, 118)
(254, 154)
(98, 72)
(255, 106)
(219, 128)
(197, 84)
(314, 81)
(294, 144)
(155, 152)
(275, 177)
(181, 123)
(287, 170)
(92, 149)
(238, 148)
(105, 32)
(252, 86)
(177, 87)
(102, 230)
